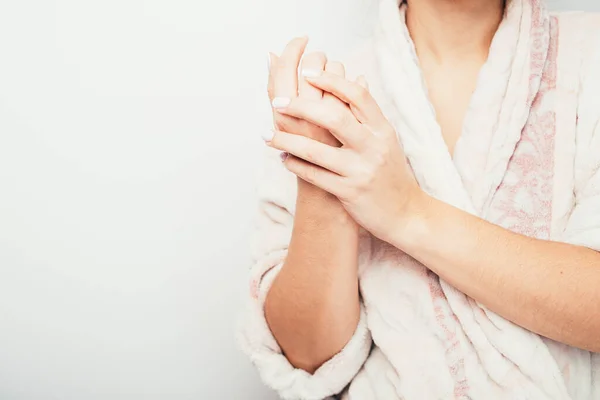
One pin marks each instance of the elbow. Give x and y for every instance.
(308, 343)
(295, 343)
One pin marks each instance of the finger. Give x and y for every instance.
(273, 59)
(336, 68)
(313, 151)
(315, 175)
(352, 93)
(362, 81)
(334, 117)
(312, 64)
(285, 70)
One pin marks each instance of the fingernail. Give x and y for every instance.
(269, 61)
(283, 156)
(268, 136)
(311, 73)
(281, 102)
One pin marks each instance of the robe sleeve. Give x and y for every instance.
(277, 195)
(583, 226)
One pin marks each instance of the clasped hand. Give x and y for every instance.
(334, 136)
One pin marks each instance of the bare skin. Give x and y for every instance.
(452, 39)
(313, 306)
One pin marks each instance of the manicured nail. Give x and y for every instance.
(268, 136)
(311, 73)
(269, 62)
(283, 156)
(281, 102)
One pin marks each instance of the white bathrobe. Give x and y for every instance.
(528, 160)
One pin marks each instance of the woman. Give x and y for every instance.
(441, 241)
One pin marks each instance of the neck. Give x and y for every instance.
(451, 30)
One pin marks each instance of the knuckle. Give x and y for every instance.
(352, 192)
(337, 120)
(380, 152)
(363, 183)
(363, 179)
(378, 162)
(371, 175)
(381, 156)
(366, 176)
(309, 155)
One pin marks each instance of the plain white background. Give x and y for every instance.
(129, 146)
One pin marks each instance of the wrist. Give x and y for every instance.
(321, 204)
(412, 223)
(308, 190)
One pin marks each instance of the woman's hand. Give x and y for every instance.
(284, 82)
(369, 173)
(320, 271)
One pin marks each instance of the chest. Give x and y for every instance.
(450, 91)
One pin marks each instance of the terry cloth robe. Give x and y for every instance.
(528, 159)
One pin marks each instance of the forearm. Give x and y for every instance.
(550, 288)
(313, 307)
